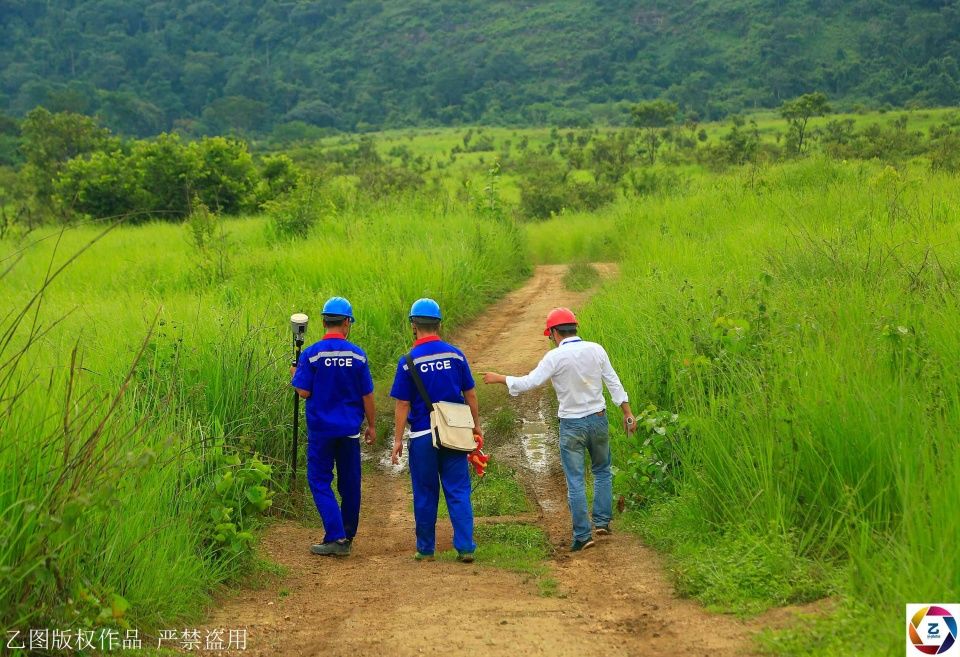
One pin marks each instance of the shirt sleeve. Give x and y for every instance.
(401, 384)
(540, 375)
(366, 379)
(617, 393)
(303, 377)
(466, 376)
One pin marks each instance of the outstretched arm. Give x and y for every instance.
(517, 384)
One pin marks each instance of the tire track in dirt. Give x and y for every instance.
(613, 600)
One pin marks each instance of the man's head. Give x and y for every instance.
(425, 318)
(561, 324)
(560, 333)
(337, 316)
(336, 324)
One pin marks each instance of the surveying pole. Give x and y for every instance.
(298, 327)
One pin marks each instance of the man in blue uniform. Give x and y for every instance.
(446, 377)
(333, 375)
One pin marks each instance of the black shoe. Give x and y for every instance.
(603, 530)
(339, 548)
(465, 557)
(579, 545)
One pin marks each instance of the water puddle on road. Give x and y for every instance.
(535, 440)
(387, 466)
(382, 457)
(541, 457)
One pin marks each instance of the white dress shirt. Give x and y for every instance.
(578, 370)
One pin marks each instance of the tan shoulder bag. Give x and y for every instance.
(451, 424)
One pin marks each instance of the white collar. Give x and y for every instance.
(572, 338)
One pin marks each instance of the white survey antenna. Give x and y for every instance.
(298, 326)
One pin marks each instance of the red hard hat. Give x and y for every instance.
(559, 316)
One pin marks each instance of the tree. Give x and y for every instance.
(101, 186)
(49, 140)
(612, 156)
(278, 175)
(226, 176)
(167, 170)
(236, 114)
(131, 115)
(653, 116)
(799, 111)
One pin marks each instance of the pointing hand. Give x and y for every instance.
(493, 377)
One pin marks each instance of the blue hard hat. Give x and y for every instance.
(338, 307)
(425, 308)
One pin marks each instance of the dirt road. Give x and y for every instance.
(611, 600)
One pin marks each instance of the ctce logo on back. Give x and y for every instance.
(338, 362)
(435, 365)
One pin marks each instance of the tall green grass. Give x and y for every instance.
(119, 419)
(802, 320)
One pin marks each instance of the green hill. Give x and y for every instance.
(254, 67)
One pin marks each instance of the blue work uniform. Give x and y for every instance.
(337, 375)
(446, 376)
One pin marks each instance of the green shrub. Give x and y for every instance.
(652, 470)
(294, 215)
(581, 276)
(211, 246)
(226, 177)
(166, 173)
(102, 186)
(385, 180)
(236, 497)
(159, 178)
(648, 181)
(546, 189)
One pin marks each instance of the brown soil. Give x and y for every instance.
(612, 600)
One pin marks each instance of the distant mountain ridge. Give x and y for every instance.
(253, 67)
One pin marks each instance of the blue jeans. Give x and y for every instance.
(578, 436)
(339, 520)
(431, 468)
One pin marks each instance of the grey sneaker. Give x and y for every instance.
(423, 556)
(333, 548)
(581, 545)
(603, 530)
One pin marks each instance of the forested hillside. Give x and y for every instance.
(252, 67)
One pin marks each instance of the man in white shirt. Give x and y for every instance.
(578, 371)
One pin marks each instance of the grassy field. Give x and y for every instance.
(801, 323)
(788, 332)
(458, 159)
(128, 509)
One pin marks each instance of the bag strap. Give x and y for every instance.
(418, 382)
